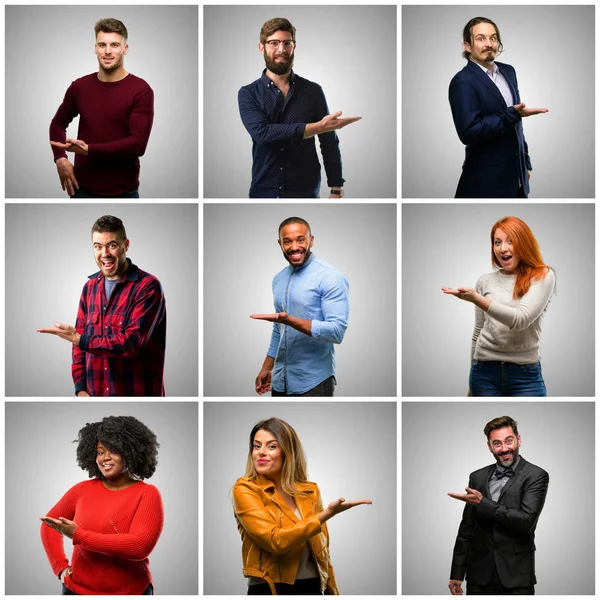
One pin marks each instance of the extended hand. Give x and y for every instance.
(468, 294)
(77, 146)
(471, 497)
(455, 587)
(263, 382)
(273, 317)
(332, 122)
(340, 505)
(528, 112)
(66, 174)
(66, 332)
(61, 525)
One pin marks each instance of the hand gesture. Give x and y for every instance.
(66, 174)
(333, 121)
(274, 317)
(263, 382)
(62, 525)
(471, 497)
(468, 294)
(528, 112)
(66, 332)
(455, 587)
(65, 573)
(77, 146)
(341, 504)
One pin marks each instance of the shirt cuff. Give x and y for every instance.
(84, 341)
(80, 387)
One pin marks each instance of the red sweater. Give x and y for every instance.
(115, 121)
(116, 532)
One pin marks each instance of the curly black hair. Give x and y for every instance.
(123, 435)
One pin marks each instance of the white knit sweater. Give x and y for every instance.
(510, 329)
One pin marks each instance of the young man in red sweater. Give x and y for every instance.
(116, 112)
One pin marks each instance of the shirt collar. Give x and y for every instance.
(495, 68)
(264, 79)
(132, 273)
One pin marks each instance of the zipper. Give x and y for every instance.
(260, 560)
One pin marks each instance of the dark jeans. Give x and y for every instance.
(149, 591)
(301, 587)
(495, 588)
(84, 194)
(500, 378)
(325, 388)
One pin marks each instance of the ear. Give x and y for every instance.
(312, 240)
(261, 47)
(126, 245)
(279, 242)
(490, 447)
(126, 49)
(467, 47)
(519, 441)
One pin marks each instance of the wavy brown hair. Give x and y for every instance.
(468, 34)
(293, 470)
(531, 267)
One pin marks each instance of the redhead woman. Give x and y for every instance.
(114, 519)
(280, 516)
(509, 307)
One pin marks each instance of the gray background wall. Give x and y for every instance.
(351, 452)
(241, 257)
(48, 259)
(449, 246)
(48, 47)
(41, 466)
(538, 43)
(442, 443)
(355, 63)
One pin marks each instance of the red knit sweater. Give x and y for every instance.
(115, 122)
(116, 532)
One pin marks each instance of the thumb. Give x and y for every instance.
(522, 105)
(337, 113)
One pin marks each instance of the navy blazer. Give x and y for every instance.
(496, 156)
(502, 532)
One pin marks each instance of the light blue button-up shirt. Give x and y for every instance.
(318, 292)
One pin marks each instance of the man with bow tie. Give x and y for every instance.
(495, 543)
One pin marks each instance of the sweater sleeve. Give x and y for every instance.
(66, 112)
(140, 125)
(143, 534)
(51, 539)
(530, 307)
(264, 531)
(479, 320)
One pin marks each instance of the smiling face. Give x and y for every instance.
(111, 464)
(279, 59)
(296, 241)
(484, 44)
(110, 49)
(504, 445)
(110, 252)
(267, 455)
(506, 255)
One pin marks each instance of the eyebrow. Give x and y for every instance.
(269, 442)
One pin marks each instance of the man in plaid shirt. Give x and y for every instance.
(119, 338)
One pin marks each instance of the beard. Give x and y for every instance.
(509, 459)
(115, 65)
(279, 68)
(304, 258)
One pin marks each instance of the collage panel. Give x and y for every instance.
(500, 524)
(274, 493)
(122, 527)
(276, 80)
(117, 347)
(300, 299)
(467, 300)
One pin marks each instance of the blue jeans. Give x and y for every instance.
(84, 194)
(500, 378)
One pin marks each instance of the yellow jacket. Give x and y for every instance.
(273, 536)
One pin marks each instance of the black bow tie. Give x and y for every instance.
(500, 474)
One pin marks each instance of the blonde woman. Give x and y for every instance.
(280, 516)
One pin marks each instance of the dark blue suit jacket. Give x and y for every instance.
(496, 157)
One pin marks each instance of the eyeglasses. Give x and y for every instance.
(274, 44)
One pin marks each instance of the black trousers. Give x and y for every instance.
(325, 388)
(301, 587)
(149, 591)
(495, 588)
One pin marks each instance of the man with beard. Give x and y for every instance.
(282, 113)
(116, 111)
(120, 333)
(495, 542)
(311, 300)
(488, 112)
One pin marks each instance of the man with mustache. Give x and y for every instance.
(488, 112)
(282, 113)
(116, 110)
(495, 543)
(120, 334)
(311, 300)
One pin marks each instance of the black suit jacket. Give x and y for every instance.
(501, 532)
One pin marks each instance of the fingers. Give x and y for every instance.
(74, 181)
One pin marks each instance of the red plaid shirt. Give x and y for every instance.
(122, 347)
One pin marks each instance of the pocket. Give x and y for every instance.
(476, 365)
(532, 368)
(92, 323)
(114, 323)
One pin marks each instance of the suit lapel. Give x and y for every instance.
(486, 485)
(485, 79)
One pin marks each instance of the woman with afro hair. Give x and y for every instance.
(114, 519)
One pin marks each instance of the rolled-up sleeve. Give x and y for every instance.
(335, 307)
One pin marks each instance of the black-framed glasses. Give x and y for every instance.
(274, 44)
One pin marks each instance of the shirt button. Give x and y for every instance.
(106, 327)
(106, 368)
(280, 188)
(282, 149)
(107, 389)
(281, 168)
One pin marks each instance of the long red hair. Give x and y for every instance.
(531, 266)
